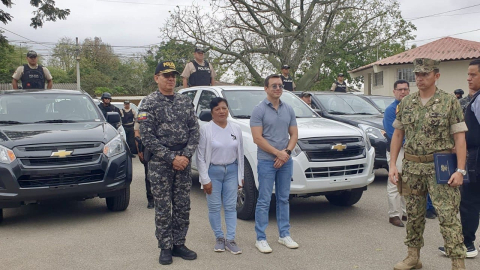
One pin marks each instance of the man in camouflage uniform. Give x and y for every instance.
(464, 102)
(431, 121)
(170, 131)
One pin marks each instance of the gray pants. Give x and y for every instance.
(171, 193)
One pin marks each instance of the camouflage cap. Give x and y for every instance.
(425, 65)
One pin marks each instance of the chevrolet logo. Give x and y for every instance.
(61, 153)
(339, 147)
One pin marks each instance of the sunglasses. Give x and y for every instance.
(168, 75)
(277, 86)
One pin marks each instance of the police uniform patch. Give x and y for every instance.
(142, 116)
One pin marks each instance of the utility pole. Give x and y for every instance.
(78, 65)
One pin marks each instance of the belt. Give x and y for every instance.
(424, 158)
(177, 147)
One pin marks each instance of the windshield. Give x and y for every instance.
(346, 104)
(383, 102)
(50, 108)
(242, 102)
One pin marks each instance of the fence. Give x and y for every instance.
(66, 86)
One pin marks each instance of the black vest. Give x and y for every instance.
(127, 119)
(201, 76)
(287, 83)
(341, 87)
(110, 108)
(473, 133)
(33, 78)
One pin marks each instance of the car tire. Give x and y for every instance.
(247, 196)
(345, 198)
(119, 202)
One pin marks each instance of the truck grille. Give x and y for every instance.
(321, 149)
(335, 171)
(55, 147)
(52, 161)
(47, 180)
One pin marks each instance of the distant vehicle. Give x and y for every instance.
(356, 111)
(120, 105)
(381, 102)
(57, 144)
(331, 158)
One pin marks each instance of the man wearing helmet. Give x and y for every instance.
(106, 107)
(458, 93)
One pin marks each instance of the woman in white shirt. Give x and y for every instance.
(220, 165)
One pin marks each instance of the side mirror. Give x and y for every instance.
(320, 112)
(205, 116)
(113, 118)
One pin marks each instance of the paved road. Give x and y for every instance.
(84, 235)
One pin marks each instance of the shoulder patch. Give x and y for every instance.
(142, 116)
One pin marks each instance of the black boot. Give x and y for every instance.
(184, 252)
(150, 205)
(165, 256)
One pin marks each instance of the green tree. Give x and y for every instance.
(6, 50)
(46, 11)
(59, 75)
(313, 37)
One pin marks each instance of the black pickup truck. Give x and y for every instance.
(56, 144)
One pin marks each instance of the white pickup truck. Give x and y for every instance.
(331, 158)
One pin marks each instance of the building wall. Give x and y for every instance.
(453, 75)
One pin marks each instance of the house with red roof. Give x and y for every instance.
(455, 54)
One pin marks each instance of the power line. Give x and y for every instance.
(436, 14)
(25, 37)
(444, 36)
(143, 3)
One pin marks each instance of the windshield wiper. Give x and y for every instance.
(8, 122)
(337, 112)
(364, 113)
(242, 116)
(56, 121)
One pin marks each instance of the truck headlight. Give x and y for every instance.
(372, 132)
(367, 143)
(114, 147)
(296, 151)
(6, 155)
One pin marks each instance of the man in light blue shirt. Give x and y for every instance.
(396, 202)
(274, 131)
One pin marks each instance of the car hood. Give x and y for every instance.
(45, 133)
(371, 120)
(317, 127)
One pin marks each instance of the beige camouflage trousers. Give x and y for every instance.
(446, 201)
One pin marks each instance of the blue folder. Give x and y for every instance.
(445, 166)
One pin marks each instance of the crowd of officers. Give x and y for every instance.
(423, 123)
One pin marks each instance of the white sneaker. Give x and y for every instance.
(263, 246)
(288, 242)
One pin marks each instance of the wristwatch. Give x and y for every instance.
(463, 172)
(289, 152)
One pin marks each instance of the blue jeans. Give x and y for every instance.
(429, 203)
(224, 187)
(267, 176)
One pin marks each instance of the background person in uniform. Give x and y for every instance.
(106, 105)
(140, 150)
(220, 166)
(169, 129)
(464, 101)
(32, 75)
(288, 83)
(128, 120)
(198, 72)
(275, 132)
(431, 121)
(458, 93)
(339, 85)
(396, 202)
(307, 97)
(470, 203)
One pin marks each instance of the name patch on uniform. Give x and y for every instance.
(142, 116)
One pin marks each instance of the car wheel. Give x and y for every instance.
(247, 196)
(345, 198)
(119, 202)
